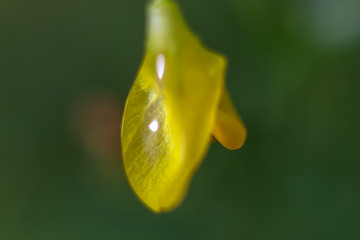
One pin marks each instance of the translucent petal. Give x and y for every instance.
(228, 128)
(171, 110)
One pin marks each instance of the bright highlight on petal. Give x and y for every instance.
(154, 126)
(177, 102)
(160, 65)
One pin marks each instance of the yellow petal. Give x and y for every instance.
(171, 109)
(228, 128)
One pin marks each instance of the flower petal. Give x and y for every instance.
(228, 128)
(177, 101)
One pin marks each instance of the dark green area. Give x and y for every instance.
(294, 75)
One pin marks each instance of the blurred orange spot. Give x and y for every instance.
(96, 120)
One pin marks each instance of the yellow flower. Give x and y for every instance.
(177, 102)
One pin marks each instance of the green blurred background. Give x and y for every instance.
(294, 71)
